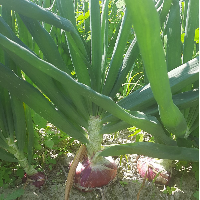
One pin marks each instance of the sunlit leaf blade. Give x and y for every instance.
(153, 150)
(117, 57)
(191, 25)
(153, 56)
(96, 49)
(165, 10)
(174, 44)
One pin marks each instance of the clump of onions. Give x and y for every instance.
(158, 169)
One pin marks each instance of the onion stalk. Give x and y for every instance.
(37, 178)
(94, 171)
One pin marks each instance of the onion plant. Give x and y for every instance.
(73, 83)
(17, 134)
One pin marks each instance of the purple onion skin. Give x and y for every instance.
(147, 167)
(37, 179)
(89, 175)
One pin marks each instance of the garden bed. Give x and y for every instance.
(126, 186)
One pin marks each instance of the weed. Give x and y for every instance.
(123, 183)
(169, 190)
(14, 195)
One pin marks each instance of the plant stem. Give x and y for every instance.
(95, 139)
(29, 169)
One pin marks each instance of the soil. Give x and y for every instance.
(126, 185)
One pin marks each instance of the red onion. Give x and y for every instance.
(37, 179)
(152, 167)
(90, 175)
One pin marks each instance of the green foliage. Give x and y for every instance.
(153, 150)
(14, 195)
(196, 194)
(169, 190)
(9, 174)
(123, 183)
(69, 63)
(50, 144)
(155, 65)
(5, 175)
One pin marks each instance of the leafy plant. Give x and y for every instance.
(17, 132)
(169, 190)
(123, 183)
(85, 106)
(14, 195)
(50, 144)
(11, 174)
(196, 195)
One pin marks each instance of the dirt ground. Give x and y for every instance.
(126, 186)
